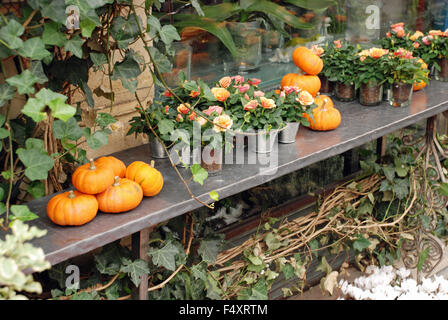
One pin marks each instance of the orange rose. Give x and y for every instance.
(194, 94)
(225, 82)
(183, 109)
(305, 98)
(400, 33)
(435, 33)
(416, 35)
(220, 94)
(222, 123)
(377, 52)
(267, 103)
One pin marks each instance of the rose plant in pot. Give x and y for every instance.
(404, 71)
(340, 65)
(294, 103)
(371, 74)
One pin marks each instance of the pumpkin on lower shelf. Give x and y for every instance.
(309, 83)
(72, 208)
(123, 195)
(326, 116)
(115, 164)
(149, 178)
(92, 178)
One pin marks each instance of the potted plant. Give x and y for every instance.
(294, 104)
(325, 54)
(404, 70)
(371, 74)
(340, 64)
(399, 36)
(433, 49)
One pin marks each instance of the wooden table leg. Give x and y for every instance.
(140, 247)
(381, 147)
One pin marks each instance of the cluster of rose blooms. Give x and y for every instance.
(223, 91)
(399, 31)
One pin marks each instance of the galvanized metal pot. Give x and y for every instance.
(261, 142)
(288, 135)
(157, 150)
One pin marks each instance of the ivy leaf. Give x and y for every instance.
(400, 168)
(23, 82)
(135, 269)
(214, 195)
(67, 130)
(168, 34)
(104, 119)
(288, 271)
(209, 250)
(160, 60)
(74, 45)
(166, 126)
(125, 31)
(11, 32)
(61, 110)
(389, 172)
(38, 71)
(98, 59)
(272, 242)
(87, 26)
(259, 291)
(165, 256)
(33, 109)
(35, 159)
(401, 188)
(34, 48)
(97, 140)
(52, 36)
(55, 10)
(36, 189)
(199, 173)
(443, 189)
(324, 266)
(6, 93)
(198, 272)
(127, 71)
(154, 23)
(361, 243)
(22, 213)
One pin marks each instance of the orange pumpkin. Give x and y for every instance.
(420, 85)
(149, 178)
(306, 82)
(117, 165)
(72, 208)
(326, 116)
(307, 61)
(123, 195)
(92, 179)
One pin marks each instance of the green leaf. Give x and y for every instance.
(272, 241)
(422, 258)
(52, 36)
(38, 71)
(98, 59)
(443, 189)
(197, 6)
(67, 130)
(312, 4)
(33, 109)
(401, 188)
(23, 82)
(154, 23)
(209, 250)
(160, 60)
(324, 266)
(34, 48)
(74, 45)
(198, 272)
(35, 159)
(97, 140)
(11, 32)
(104, 119)
(135, 269)
(168, 34)
(61, 110)
(36, 189)
(87, 26)
(166, 126)
(389, 172)
(6, 93)
(55, 10)
(125, 31)
(361, 243)
(259, 291)
(214, 195)
(165, 256)
(288, 271)
(127, 71)
(199, 173)
(22, 213)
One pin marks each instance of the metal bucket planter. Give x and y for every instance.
(157, 150)
(181, 155)
(288, 135)
(261, 141)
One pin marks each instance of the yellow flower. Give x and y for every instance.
(220, 94)
(267, 103)
(305, 98)
(435, 32)
(416, 35)
(222, 123)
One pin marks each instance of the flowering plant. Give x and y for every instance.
(405, 68)
(400, 37)
(340, 62)
(293, 103)
(373, 66)
(432, 47)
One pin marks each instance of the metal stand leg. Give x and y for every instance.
(381, 147)
(140, 247)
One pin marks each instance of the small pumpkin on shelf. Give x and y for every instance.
(72, 208)
(307, 61)
(93, 178)
(123, 195)
(421, 84)
(309, 83)
(326, 116)
(117, 165)
(148, 177)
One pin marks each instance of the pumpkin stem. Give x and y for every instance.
(92, 164)
(71, 195)
(152, 163)
(116, 181)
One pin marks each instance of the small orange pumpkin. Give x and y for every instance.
(91, 178)
(72, 208)
(149, 178)
(123, 195)
(326, 116)
(420, 85)
(117, 165)
(305, 82)
(307, 61)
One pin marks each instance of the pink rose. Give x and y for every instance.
(427, 40)
(282, 94)
(251, 105)
(416, 45)
(246, 96)
(337, 43)
(290, 89)
(238, 79)
(258, 94)
(254, 81)
(243, 88)
(212, 109)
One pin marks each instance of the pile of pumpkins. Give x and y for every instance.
(326, 116)
(106, 185)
